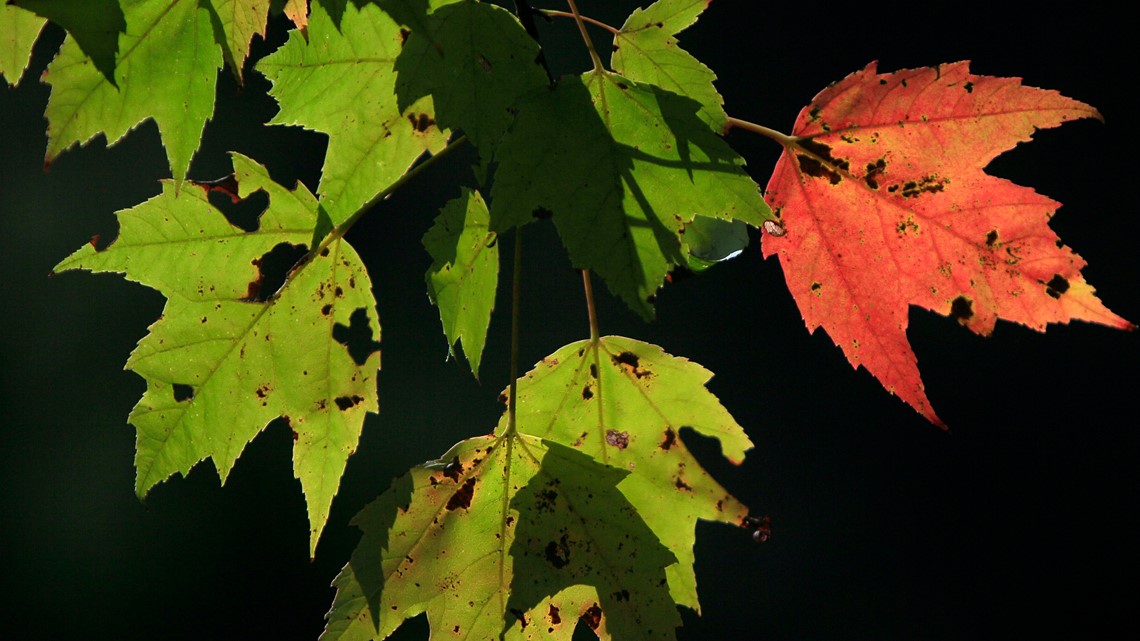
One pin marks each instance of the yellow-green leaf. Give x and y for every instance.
(223, 360)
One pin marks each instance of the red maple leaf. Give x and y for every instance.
(882, 192)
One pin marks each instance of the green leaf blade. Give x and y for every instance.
(622, 167)
(624, 403)
(495, 538)
(645, 50)
(221, 364)
(165, 70)
(340, 80)
(476, 61)
(464, 273)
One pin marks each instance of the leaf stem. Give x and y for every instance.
(591, 309)
(586, 36)
(565, 14)
(779, 137)
(516, 280)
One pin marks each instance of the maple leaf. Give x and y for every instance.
(624, 402)
(885, 203)
(165, 66)
(464, 273)
(622, 168)
(239, 21)
(340, 79)
(223, 361)
(476, 61)
(18, 32)
(513, 538)
(645, 50)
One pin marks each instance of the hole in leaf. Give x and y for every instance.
(346, 402)
(357, 336)
(557, 553)
(272, 270)
(1057, 285)
(182, 392)
(243, 214)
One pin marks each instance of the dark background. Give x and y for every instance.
(1020, 522)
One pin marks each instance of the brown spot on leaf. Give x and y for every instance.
(874, 171)
(991, 238)
(462, 496)
(555, 618)
(587, 393)
(617, 439)
(521, 616)
(404, 33)
(962, 309)
(453, 469)
(326, 310)
(631, 364)
(821, 164)
(925, 185)
(969, 87)
(593, 616)
(420, 122)
(670, 439)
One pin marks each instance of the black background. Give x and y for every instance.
(1020, 522)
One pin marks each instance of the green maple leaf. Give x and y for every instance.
(165, 68)
(624, 402)
(511, 536)
(18, 32)
(645, 50)
(340, 80)
(238, 21)
(219, 364)
(623, 168)
(464, 273)
(476, 61)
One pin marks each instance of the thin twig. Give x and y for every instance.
(779, 137)
(516, 281)
(586, 36)
(565, 14)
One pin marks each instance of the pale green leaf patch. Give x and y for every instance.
(340, 80)
(622, 168)
(623, 402)
(222, 362)
(646, 50)
(464, 273)
(18, 32)
(513, 538)
(165, 68)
